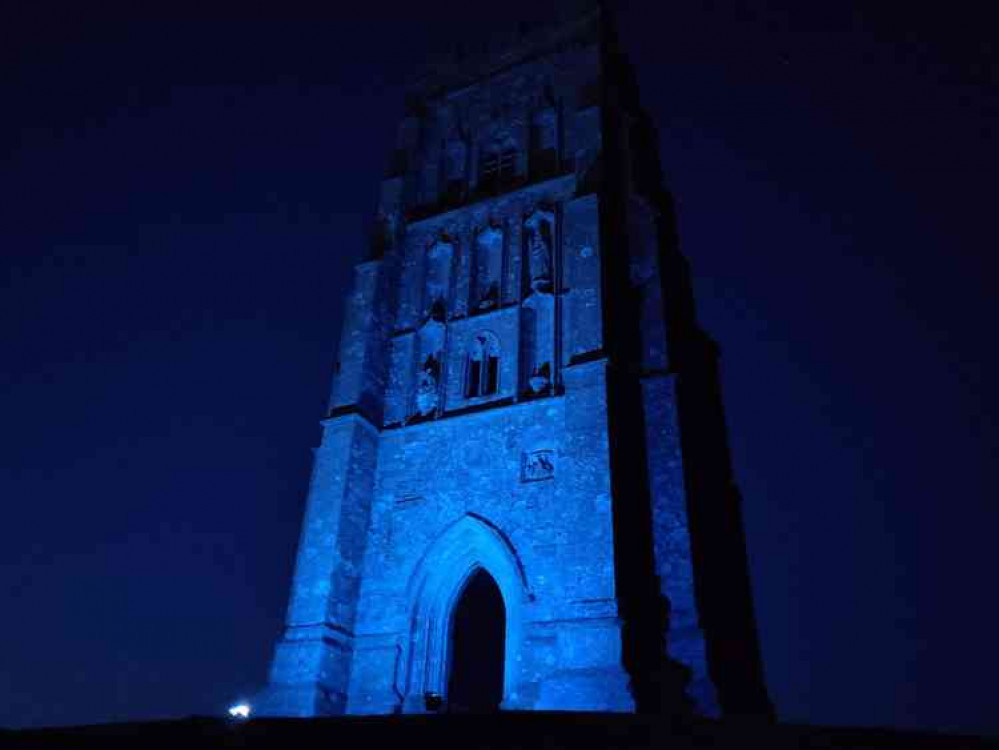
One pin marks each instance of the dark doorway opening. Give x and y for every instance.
(478, 632)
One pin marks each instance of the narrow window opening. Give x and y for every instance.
(474, 375)
(492, 376)
(482, 377)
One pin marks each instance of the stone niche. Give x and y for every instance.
(538, 307)
(488, 273)
(544, 143)
(437, 290)
(430, 353)
(539, 234)
(456, 162)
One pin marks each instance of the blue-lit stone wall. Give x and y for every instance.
(552, 529)
(425, 476)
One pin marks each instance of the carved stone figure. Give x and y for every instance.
(539, 227)
(426, 386)
(489, 261)
(439, 256)
(540, 259)
(431, 336)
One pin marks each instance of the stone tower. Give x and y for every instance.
(525, 438)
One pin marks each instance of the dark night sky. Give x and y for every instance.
(180, 205)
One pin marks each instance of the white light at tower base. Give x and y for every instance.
(240, 711)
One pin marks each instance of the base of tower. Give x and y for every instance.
(603, 690)
(581, 690)
(298, 701)
(524, 731)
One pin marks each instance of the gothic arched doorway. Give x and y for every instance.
(478, 634)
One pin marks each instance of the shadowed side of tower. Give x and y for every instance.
(670, 385)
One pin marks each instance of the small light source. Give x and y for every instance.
(433, 701)
(239, 711)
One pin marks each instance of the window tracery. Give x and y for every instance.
(498, 166)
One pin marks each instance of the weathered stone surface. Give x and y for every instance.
(505, 401)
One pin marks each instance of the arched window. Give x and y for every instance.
(482, 373)
(498, 166)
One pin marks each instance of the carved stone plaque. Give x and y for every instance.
(537, 465)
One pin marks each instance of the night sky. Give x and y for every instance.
(180, 208)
